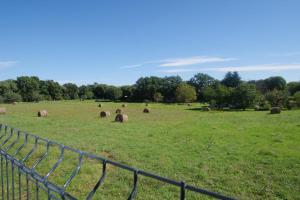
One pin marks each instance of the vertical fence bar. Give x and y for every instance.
(20, 185)
(27, 187)
(37, 189)
(2, 178)
(182, 191)
(13, 179)
(7, 178)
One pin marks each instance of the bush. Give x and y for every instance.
(291, 104)
(277, 98)
(10, 97)
(297, 98)
(1, 99)
(158, 97)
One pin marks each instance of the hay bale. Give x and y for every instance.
(146, 110)
(2, 111)
(119, 111)
(124, 105)
(104, 114)
(14, 103)
(205, 108)
(275, 110)
(42, 113)
(100, 105)
(121, 118)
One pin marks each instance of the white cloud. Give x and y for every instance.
(193, 60)
(6, 64)
(255, 68)
(178, 62)
(249, 68)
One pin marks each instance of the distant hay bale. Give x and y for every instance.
(121, 118)
(275, 110)
(119, 111)
(124, 105)
(42, 113)
(104, 114)
(100, 105)
(2, 110)
(205, 108)
(146, 110)
(14, 103)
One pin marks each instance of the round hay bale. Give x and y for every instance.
(146, 110)
(2, 111)
(42, 113)
(275, 110)
(119, 111)
(121, 118)
(100, 105)
(104, 114)
(14, 103)
(124, 105)
(205, 108)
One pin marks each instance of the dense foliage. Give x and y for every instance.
(230, 92)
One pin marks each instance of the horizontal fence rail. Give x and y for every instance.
(19, 181)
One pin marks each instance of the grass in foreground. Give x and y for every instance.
(248, 155)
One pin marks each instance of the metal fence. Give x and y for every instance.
(20, 181)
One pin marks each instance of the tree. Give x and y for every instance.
(8, 85)
(55, 90)
(29, 88)
(127, 92)
(275, 82)
(244, 96)
(85, 92)
(169, 85)
(11, 96)
(201, 81)
(113, 93)
(185, 93)
(297, 98)
(232, 79)
(293, 87)
(71, 91)
(277, 97)
(147, 87)
(99, 91)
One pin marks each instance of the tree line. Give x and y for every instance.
(230, 92)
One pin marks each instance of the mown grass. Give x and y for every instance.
(246, 154)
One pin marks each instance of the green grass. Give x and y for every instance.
(247, 155)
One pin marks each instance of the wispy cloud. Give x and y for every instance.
(179, 62)
(194, 60)
(6, 64)
(249, 68)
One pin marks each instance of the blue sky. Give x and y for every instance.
(116, 42)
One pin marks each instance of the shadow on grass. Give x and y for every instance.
(220, 110)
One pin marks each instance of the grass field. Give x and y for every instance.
(247, 154)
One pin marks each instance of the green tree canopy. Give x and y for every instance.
(185, 93)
